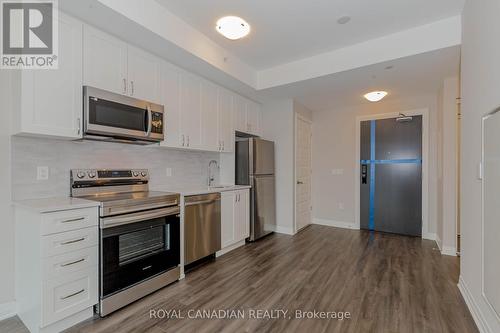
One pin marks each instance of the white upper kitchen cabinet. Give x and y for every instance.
(190, 107)
(226, 128)
(170, 88)
(240, 114)
(143, 74)
(209, 118)
(105, 61)
(51, 100)
(254, 118)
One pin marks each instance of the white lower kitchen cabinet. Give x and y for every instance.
(56, 267)
(48, 102)
(235, 219)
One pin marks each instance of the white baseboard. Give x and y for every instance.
(7, 310)
(481, 323)
(449, 251)
(284, 230)
(431, 236)
(337, 224)
(230, 248)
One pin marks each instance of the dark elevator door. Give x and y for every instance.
(391, 176)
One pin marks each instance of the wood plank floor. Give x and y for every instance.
(388, 283)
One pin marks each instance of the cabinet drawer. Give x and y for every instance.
(69, 220)
(67, 263)
(69, 241)
(67, 295)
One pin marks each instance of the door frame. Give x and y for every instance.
(297, 118)
(424, 112)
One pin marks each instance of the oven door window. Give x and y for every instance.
(140, 244)
(138, 251)
(116, 115)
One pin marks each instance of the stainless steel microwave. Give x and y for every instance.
(113, 117)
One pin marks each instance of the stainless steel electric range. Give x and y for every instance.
(139, 234)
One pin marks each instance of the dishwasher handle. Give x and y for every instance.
(202, 202)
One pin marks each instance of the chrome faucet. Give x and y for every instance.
(211, 177)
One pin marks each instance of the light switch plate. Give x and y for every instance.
(42, 173)
(169, 172)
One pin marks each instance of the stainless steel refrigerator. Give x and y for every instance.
(255, 167)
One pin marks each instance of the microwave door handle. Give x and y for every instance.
(149, 122)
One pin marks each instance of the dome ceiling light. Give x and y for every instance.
(232, 27)
(375, 96)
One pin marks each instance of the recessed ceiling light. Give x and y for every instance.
(232, 27)
(375, 96)
(343, 20)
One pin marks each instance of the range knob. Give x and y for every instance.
(144, 174)
(91, 174)
(135, 174)
(80, 174)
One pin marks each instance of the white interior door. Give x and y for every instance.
(303, 173)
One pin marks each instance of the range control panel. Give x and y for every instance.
(109, 174)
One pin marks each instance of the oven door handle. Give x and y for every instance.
(108, 222)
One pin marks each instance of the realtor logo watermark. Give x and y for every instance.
(29, 36)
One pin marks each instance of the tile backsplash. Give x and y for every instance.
(189, 169)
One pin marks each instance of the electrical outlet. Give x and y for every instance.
(42, 173)
(169, 172)
(341, 206)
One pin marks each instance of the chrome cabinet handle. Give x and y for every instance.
(74, 294)
(183, 140)
(73, 220)
(131, 88)
(73, 241)
(300, 183)
(72, 263)
(79, 125)
(188, 140)
(124, 85)
(223, 144)
(203, 202)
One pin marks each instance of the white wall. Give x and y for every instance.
(334, 139)
(480, 93)
(446, 230)
(6, 222)
(278, 126)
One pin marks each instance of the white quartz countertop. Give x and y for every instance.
(203, 190)
(47, 205)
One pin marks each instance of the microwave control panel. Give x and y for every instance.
(157, 122)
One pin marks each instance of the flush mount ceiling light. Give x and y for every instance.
(375, 96)
(232, 27)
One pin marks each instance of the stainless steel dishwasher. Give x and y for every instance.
(202, 226)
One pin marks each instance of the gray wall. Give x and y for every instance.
(189, 169)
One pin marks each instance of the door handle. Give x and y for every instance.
(71, 295)
(73, 241)
(72, 263)
(150, 121)
(73, 220)
(364, 173)
(300, 183)
(124, 85)
(131, 88)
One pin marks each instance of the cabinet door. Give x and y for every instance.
(170, 88)
(209, 117)
(143, 75)
(254, 116)
(104, 61)
(190, 110)
(226, 128)
(51, 102)
(240, 114)
(242, 216)
(228, 203)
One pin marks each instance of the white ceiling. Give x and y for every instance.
(288, 30)
(409, 77)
